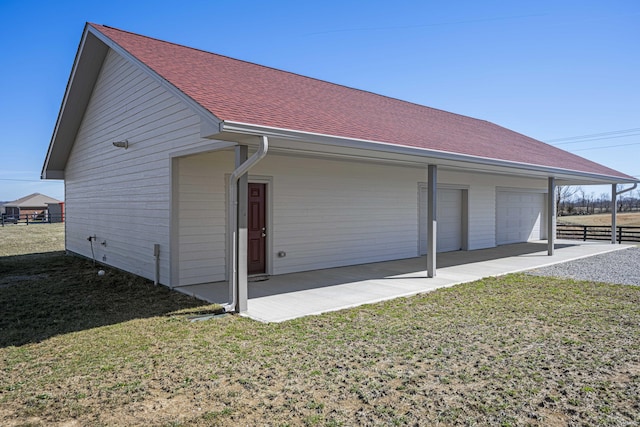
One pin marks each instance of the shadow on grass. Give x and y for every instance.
(43, 295)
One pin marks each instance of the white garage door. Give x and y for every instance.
(519, 217)
(449, 214)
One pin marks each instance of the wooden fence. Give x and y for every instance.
(27, 219)
(597, 232)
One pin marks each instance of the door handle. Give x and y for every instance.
(264, 232)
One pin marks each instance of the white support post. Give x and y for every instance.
(432, 220)
(614, 212)
(242, 153)
(551, 216)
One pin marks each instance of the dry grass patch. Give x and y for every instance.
(21, 239)
(622, 219)
(516, 350)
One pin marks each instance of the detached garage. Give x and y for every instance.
(186, 143)
(520, 216)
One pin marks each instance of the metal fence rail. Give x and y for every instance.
(624, 233)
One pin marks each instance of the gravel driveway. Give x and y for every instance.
(621, 266)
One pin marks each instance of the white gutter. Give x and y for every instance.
(250, 129)
(232, 221)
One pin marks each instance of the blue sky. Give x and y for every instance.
(547, 69)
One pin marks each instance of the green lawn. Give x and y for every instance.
(78, 349)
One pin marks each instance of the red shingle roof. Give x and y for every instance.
(239, 91)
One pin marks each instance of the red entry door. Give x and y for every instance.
(257, 229)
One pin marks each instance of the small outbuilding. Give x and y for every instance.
(189, 167)
(34, 206)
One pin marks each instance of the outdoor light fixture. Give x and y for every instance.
(121, 144)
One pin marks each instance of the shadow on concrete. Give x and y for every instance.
(387, 270)
(451, 259)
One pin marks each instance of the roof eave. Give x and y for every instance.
(252, 129)
(87, 64)
(52, 174)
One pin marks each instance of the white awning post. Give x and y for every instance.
(432, 220)
(551, 216)
(614, 213)
(237, 248)
(242, 153)
(614, 201)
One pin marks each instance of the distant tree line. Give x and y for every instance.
(572, 200)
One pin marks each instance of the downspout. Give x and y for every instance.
(232, 221)
(614, 209)
(627, 190)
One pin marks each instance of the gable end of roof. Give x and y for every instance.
(84, 73)
(92, 51)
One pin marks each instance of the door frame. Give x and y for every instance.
(464, 206)
(268, 247)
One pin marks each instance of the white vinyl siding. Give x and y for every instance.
(201, 218)
(334, 213)
(323, 214)
(123, 196)
(519, 216)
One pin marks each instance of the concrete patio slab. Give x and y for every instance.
(289, 296)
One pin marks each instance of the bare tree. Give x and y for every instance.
(591, 202)
(626, 201)
(584, 200)
(605, 202)
(564, 193)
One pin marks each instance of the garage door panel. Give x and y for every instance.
(519, 216)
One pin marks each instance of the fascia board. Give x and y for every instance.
(63, 106)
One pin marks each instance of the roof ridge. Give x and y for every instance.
(392, 98)
(29, 197)
(161, 41)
